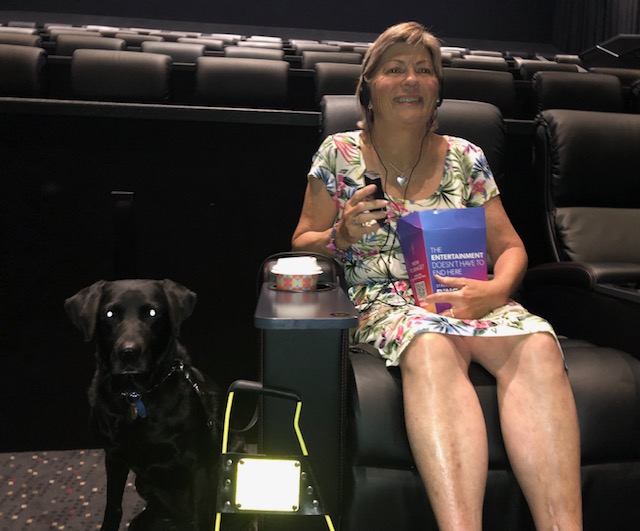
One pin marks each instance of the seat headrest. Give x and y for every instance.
(574, 90)
(21, 70)
(239, 81)
(115, 75)
(593, 157)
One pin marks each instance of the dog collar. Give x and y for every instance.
(137, 409)
(136, 405)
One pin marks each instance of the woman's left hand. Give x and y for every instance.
(470, 298)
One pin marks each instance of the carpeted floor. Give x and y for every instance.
(57, 490)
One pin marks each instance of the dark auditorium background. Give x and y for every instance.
(45, 368)
(570, 26)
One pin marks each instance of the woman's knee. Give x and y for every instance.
(431, 354)
(540, 356)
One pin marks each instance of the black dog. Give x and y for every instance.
(153, 411)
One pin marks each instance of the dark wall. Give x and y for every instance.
(581, 24)
(516, 20)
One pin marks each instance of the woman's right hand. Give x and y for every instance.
(360, 216)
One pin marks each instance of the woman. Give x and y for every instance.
(419, 169)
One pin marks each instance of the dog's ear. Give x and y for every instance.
(181, 303)
(82, 308)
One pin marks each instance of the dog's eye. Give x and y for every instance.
(152, 312)
(109, 314)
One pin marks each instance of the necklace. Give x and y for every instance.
(402, 178)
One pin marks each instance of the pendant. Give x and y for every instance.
(401, 179)
(133, 411)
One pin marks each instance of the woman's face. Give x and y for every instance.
(405, 87)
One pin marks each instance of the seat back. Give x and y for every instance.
(242, 82)
(24, 39)
(300, 47)
(528, 67)
(626, 75)
(586, 167)
(572, 90)
(135, 40)
(21, 70)
(479, 122)
(116, 75)
(210, 45)
(253, 52)
(490, 86)
(311, 57)
(180, 52)
(481, 62)
(68, 43)
(336, 78)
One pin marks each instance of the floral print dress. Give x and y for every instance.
(374, 268)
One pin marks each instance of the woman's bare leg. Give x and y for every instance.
(539, 424)
(446, 430)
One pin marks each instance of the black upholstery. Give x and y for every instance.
(311, 57)
(626, 75)
(586, 166)
(180, 52)
(383, 475)
(115, 75)
(135, 40)
(254, 52)
(336, 78)
(572, 90)
(300, 47)
(210, 45)
(479, 122)
(528, 67)
(24, 39)
(227, 38)
(242, 82)
(482, 62)
(21, 70)
(587, 163)
(490, 86)
(634, 97)
(275, 45)
(54, 33)
(68, 43)
(486, 53)
(567, 58)
(606, 381)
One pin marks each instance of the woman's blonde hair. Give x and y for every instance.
(412, 33)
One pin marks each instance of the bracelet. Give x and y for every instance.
(341, 254)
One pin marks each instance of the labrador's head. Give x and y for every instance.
(135, 322)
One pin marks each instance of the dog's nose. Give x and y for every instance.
(129, 351)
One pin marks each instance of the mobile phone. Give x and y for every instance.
(374, 178)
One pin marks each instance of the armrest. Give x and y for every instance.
(582, 275)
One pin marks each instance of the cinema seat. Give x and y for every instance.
(242, 82)
(22, 70)
(586, 172)
(573, 90)
(125, 76)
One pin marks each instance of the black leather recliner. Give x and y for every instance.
(586, 166)
(381, 488)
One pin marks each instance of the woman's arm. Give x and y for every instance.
(319, 212)
(316, 219)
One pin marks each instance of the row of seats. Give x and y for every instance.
(186, 46)
(153, 77)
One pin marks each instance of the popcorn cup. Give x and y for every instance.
(297, 273)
